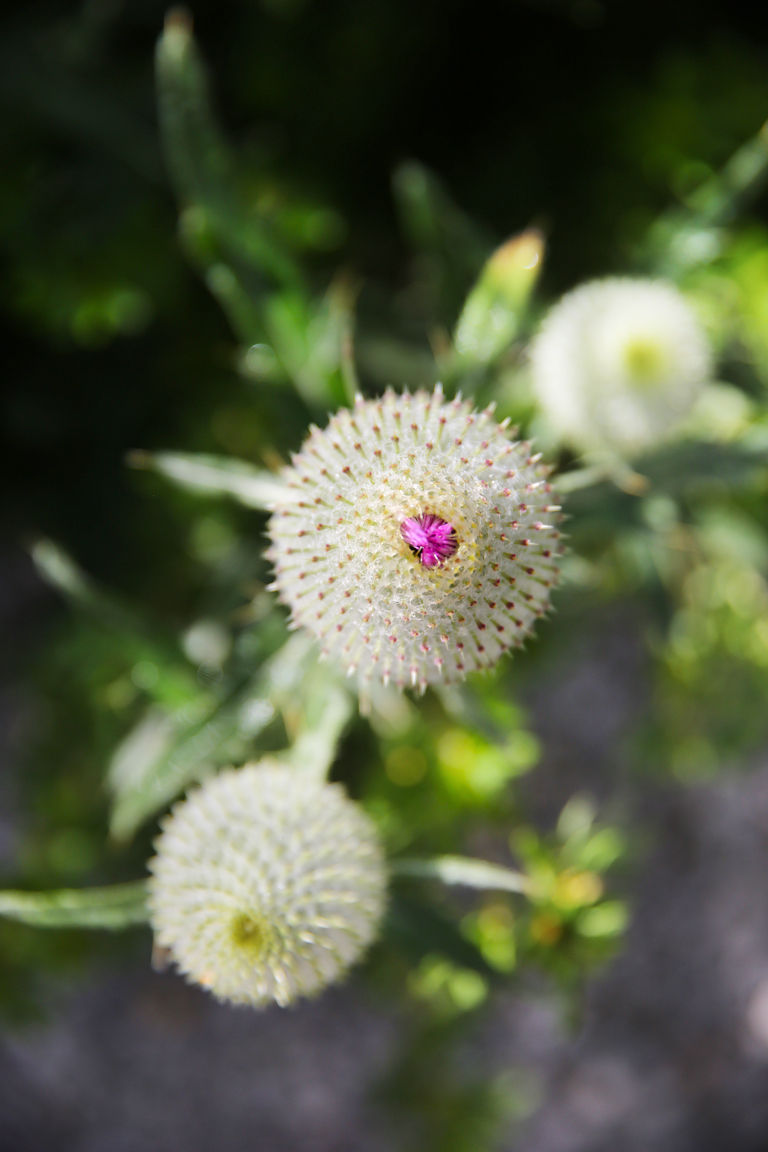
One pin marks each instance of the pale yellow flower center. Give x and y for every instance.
(645, 360)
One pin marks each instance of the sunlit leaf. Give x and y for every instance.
(463, 870)
(493, 311)
(165, 754)
(216, 475)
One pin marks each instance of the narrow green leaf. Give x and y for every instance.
(59, 570)
(138, 639)
(579, 478)
(434, 222)
(217, 475)
(465, 871)
(455, 247)
(494, 309)
(313, 342)
(695, 233)
(202, 164)
(179, 753)
(115, 907)
(194, 754)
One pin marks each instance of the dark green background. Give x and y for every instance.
(585, 117)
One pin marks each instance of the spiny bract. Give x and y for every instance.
(266, 885)
(619, 364)
(420, 543)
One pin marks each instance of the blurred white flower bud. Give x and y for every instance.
(619, 364)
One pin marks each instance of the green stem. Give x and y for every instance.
(114, 907)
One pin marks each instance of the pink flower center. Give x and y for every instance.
(431, 538)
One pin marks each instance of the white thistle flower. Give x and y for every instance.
(619, 363)
(421, 543)
(266, 885)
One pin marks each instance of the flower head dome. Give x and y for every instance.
(266, 885)
(421, 543)
(619, 363)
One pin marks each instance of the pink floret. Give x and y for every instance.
(432, 538)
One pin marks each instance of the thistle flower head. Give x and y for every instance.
(619, 363)
(266, 885)
(421, 542)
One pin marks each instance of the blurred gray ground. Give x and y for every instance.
(671, 1054)
(142, 1062)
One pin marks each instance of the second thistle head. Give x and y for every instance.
(619, 364)
(420, 543)
(266, 886)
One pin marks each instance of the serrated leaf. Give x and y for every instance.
(114, 907)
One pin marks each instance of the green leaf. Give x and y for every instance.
(217, 475)
(313, 342)
(607, 919)
(118, 906)
(165, 754)
(465, 871)
(419, 930)
(171, 764)
(455, 247)
(681, 470)
(202, 165)
(691, 463)
(494, 309)
(683, 237)
(434, 222)
(61, 572)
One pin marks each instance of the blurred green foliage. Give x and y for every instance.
(209, 282)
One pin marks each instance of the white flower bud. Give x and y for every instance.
(266, 885)
(619, 364)
(421, 543)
